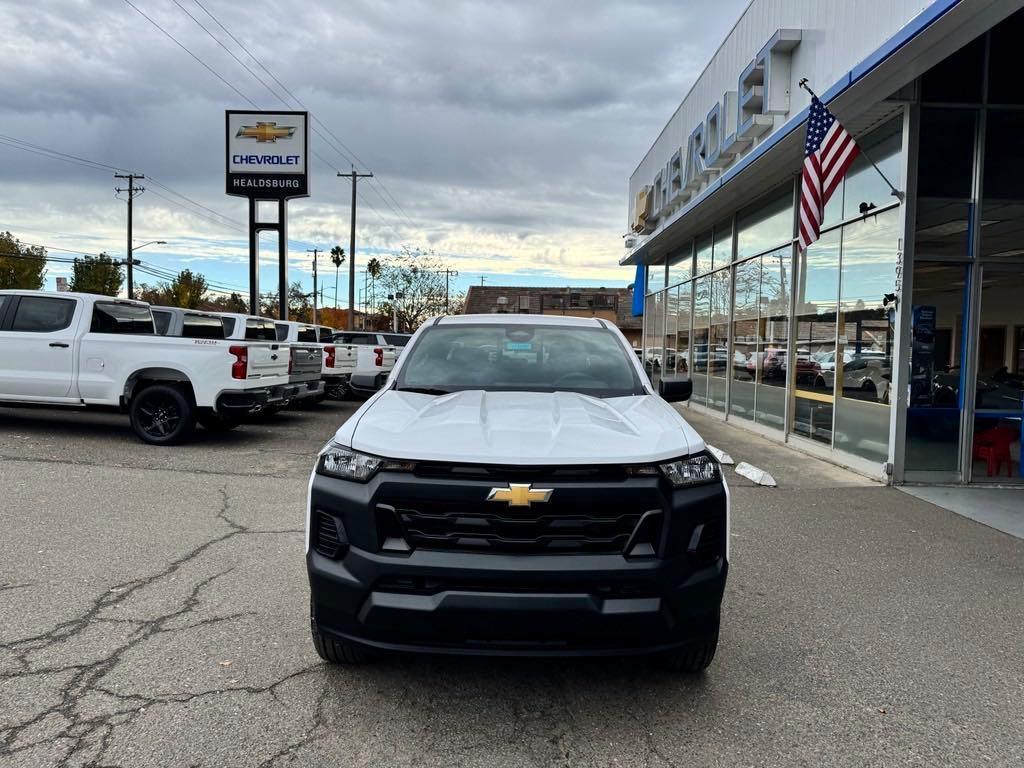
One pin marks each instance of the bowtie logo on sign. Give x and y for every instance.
(265, 132)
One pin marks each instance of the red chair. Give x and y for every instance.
(993, 447)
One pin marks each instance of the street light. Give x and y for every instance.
(131, 260)
(151, 242)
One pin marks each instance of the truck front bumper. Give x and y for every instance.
(438, 601)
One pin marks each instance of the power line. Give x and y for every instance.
(341, 148)
(186, 50)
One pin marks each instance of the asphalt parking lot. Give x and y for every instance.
(154, 612)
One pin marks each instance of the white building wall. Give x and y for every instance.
(836, 36)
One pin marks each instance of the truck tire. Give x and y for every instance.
(215, 422)
(336, 651)
(696, 656)
(161, 414)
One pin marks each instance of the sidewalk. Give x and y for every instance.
(789, 467)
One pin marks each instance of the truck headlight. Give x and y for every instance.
(693, 470)
(338, 461)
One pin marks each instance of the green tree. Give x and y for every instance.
(97, 274)
(21, 266)
(374, 269)
(231, 303)
(337, 259)
(300, 307)
(187, 290)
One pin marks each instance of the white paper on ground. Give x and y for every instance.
(754, 474)
(718, 453)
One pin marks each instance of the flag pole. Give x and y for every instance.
(899, 195)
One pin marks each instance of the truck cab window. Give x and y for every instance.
(260, 330)
(41, 314)
(307, 335)
(162, 321)
(202, 327)
(111, 317)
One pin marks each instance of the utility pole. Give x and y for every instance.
(131, 190)
(449, 273)
(352, 248)
(315, 252)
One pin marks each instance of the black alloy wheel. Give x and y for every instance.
(162, 415)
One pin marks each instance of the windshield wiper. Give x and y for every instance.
(424, 390)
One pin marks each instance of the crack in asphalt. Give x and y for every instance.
(177, 470)
(79, 732)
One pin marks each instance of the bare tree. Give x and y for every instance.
(419, 276)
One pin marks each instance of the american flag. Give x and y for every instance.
(828, 152)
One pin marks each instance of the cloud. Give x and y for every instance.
(503, 131)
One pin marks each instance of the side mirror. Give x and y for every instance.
(675, 389)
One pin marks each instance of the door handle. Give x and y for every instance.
(58, 344)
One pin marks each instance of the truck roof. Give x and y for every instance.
(73, 295)
(519, 319)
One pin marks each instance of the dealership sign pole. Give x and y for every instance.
(267, 161)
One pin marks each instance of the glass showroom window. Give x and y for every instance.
(773, 322)
(668, 361)
(722, 249)
(718, 340)
(701, 313)
(815, 347)
(861, 367)
(683, 336)
(680, 265)
(765, 225)
(703, 262)
(655, 354)
(746, 338)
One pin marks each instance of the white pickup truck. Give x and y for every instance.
(76, 349)
(375, 356)
(307, 359)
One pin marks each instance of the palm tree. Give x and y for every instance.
(337, 259)
(373, 269)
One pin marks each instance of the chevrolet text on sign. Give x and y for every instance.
(266, 154)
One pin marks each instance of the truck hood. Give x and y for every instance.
(531, 428)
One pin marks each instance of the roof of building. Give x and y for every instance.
(548, 300)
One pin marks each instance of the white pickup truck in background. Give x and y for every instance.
(307, 359)
(75, 349)
(375, 356)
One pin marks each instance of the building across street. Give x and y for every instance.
(894, 344)
(611, 304)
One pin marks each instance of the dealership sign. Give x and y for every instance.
(730, 128)
(267, 154)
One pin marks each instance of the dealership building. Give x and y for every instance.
(895, 344)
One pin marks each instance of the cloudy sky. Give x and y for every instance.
(502, 134)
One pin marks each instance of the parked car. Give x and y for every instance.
(518, 486)
(77, 349)
(868, 372)
(374, 359)
(306, 360)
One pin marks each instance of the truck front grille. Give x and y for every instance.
(540, 529)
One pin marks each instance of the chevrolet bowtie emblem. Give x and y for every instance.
(519, 494)
(264, 132)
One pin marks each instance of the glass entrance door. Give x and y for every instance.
(934, 416)
(999, 384)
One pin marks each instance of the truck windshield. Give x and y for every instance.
(519, 358)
